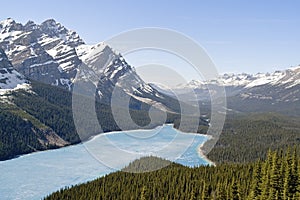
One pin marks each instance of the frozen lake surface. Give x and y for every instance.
(35, 175)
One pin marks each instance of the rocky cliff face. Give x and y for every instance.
(9, 77)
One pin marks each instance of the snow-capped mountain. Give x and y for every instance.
(273, 92)
(107, 70)
(112, 68)
(50, 53)
(10, 79)
(281, 86)
(44, 52)
(249, 81)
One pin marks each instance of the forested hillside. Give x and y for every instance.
(42, 119)
(31, 122)
(277, 177)
(247, 137)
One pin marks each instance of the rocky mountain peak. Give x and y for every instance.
(44, 52)
(50, 23)
(30, 26)
(9, 25)
(52, 27)
(55, 29)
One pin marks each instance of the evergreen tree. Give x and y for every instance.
(220, 192)
(265, 185)
(143, 193)
(235, 195)
(275, 177)
(256, 183)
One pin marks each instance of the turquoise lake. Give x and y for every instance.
(35, 175)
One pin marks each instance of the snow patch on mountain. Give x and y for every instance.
(262, 79)
(90, 53)
(10, 79)
(56, 30)
(14, 87)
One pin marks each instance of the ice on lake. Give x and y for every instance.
(36, 175)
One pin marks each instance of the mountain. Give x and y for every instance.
(285, 79)
(112, 73)
(52, 54)
(44, 52)
(281, 86)
(277, 91)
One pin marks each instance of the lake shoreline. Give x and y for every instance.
(199, 150)
(201, 154)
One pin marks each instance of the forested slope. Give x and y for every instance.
(277, 177)
(248, 137)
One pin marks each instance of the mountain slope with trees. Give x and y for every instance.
(41, 118)
(247, 137)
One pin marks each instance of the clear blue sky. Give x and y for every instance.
(250, 36)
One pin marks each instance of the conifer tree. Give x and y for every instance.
(143, 195)
(275, 176)
(235, 195)
(256, 183)
(220, 192)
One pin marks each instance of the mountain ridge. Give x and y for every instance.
(246, 80)
(262, 92)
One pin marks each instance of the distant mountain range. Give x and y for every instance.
(278, 91)
(287, 78)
